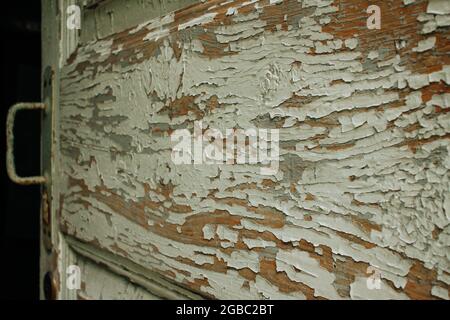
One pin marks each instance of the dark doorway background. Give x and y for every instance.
(19, 211)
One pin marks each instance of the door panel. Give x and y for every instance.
(364, 132)
(100, 283)
(104, 18)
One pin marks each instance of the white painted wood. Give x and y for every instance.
(363, 178)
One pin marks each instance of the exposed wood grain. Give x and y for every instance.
(364, 148)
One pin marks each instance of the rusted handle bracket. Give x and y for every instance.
(10, 165)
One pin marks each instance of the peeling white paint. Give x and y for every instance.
(364, 169)
(425, 45)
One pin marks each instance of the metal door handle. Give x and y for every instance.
(10, 165)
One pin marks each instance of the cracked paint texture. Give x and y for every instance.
(364, 126)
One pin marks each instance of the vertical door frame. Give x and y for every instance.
(55, 254)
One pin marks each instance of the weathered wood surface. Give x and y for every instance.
(102, 284)
(364, 148)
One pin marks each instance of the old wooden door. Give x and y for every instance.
(358, 203)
